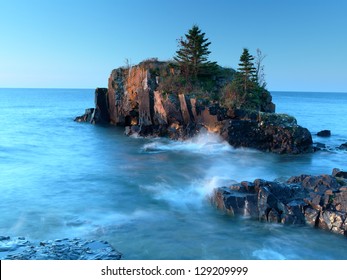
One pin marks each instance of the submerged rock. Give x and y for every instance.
(317, 146)
(343, 146)
(319, 201)
(60, 249)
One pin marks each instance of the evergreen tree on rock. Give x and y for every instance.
(245, 90)
(193, 52)
(247, 70)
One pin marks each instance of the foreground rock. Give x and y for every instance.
(60, 249)
(319, 201)
(137, 98)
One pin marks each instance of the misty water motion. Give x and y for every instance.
(149, 197)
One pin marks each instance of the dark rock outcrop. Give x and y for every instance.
(135, 100)
(319, 201)
(324, 133)
(101, 113)
(339, 173)
(61, 249)
(266, 131)
(343, 146)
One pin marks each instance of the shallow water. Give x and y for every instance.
(148, 197)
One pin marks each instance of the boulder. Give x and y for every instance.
(324, 133)
(343, 146)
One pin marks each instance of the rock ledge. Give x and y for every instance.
(319, 201)
(19, 248)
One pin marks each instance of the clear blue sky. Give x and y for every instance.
(76, 44)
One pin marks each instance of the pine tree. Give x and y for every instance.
(247, 70)
(193, 52)
(247, 89)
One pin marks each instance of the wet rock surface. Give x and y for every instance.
(19, 248)
(319, 201)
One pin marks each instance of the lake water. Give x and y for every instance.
(148, 197)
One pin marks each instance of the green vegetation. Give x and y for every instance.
(246, 72)
(195, 74)
(247, 89)
(276, 119)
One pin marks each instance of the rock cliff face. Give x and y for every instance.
(319, 201)
(135, 99)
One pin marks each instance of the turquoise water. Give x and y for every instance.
(148, 197)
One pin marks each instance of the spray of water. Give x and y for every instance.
(224, 165)
(203, 143)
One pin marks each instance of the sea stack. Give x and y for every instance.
(145, 99)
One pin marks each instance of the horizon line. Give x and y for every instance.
(93, 88)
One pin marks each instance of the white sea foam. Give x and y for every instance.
(204, 143)
(193, 195)
(223, 166)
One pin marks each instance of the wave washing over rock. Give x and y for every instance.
(20, 248)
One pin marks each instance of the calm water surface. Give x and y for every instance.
(148, 197)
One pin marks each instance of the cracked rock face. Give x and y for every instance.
(19, 248)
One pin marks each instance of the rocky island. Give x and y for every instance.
(179, 98)
(142, 100)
